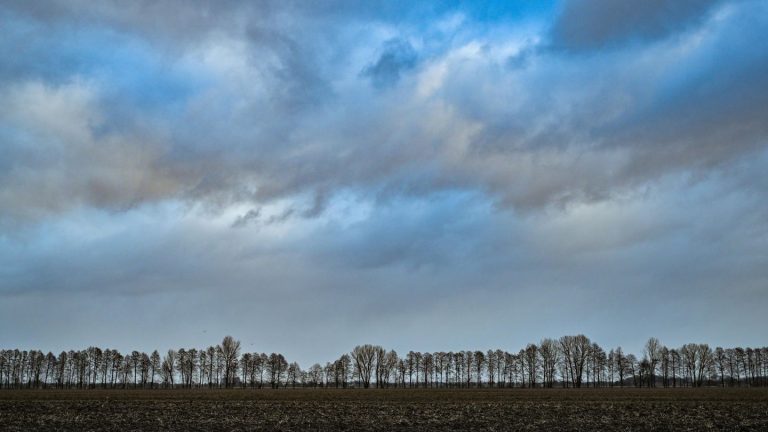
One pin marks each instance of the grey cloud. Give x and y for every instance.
(57, 161)
(178, 22)
(521, 59)
(443, 233)
(596, 24)
(282, 217)
(397, 57)
(298, 79)
(622, 172)
(708, 120)
(457, 259)
(562, 130)
(245, 219)
(622, 129)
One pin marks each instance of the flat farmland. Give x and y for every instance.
(744, 409)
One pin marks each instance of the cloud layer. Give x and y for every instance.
(284, 101)
(383, 159)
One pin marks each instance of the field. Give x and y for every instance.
(387, 410)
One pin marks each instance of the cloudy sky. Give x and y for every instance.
(307, 176)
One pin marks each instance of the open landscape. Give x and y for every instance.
(352, 215)
(612, 409)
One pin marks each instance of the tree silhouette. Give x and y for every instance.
(230, 350)
(572, 361)
(363, 357)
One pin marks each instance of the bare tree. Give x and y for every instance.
(720, 361)
(390, 365)
(410, 361)
(277, 366)
(531, 363)
(575, 350)
(665, 366)
(674, 358)
(154, 364)
(293, 374)
(380, 365)
(458, 365)
(653, 354)
(315, 375)
(479, 367)
(549, 357)
(168, 367)
(631, 365)
(696, 359)
(572, 359)
(230, 349)
(363, 357)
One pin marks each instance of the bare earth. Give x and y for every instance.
(741, 409)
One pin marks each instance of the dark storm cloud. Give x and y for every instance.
(596, 24)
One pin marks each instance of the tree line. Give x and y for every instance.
(569, 362)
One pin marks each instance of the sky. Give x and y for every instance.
(433, 176)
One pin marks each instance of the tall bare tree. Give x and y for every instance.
(169, 367)
(653, 354)
(230, 349)
(549, 357)
(363, 358)
(575, 350)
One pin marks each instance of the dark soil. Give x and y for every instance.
(740, 409)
